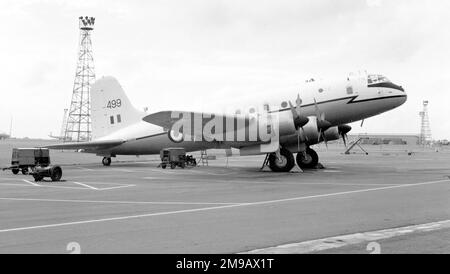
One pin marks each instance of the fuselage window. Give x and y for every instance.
(349, 90)
(111, 119)
(119, 119)
(284, 104)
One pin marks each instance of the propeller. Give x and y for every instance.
(343, 130)
(322, 124)
(299, 120)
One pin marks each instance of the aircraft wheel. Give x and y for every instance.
(172, 166)
(15, 171)
(307, 160)
(163, 166)
(25, 171)
(106, 161)
(284, 164)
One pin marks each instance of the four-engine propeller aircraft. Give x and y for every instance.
(320, 113)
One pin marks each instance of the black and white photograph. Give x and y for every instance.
(247, 130)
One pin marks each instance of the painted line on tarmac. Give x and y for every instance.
(124, 170)
(113, 202)
(122, 218)
(350, 239)
(87, 169)
(208, 180)
(115, 187)
(85, 185)
(31, 183)
(12, 184)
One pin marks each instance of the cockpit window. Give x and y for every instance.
(375, 79)
(379, 81)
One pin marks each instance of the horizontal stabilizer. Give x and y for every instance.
(93, 145)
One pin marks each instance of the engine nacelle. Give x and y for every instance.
(331, 134)
(310, 132)
(286, 123)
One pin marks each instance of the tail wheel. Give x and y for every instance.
(56, 174)
(106, 161)
(308, 159)
(283, 164)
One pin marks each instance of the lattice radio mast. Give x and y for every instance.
(425, 130)
(78, 126)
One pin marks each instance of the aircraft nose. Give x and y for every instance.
(403, 94)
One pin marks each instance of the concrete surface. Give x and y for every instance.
(135, 207)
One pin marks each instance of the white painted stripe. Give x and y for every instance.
(12, 184)
(85, 185)
(87, 169)
(116, 187)
(124, 170)
(219, 207)
(350, 239)
(115, 202)
(29, 182)
(207, 180)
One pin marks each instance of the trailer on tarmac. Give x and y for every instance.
(35, 162)
(174, 157)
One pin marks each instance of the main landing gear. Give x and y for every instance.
(307, 159)
(106, 161)
(284, 160)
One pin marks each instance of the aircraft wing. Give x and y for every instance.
(92, 145)
(164, 118)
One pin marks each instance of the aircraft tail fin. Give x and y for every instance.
(111, 109)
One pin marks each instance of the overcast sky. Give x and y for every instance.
(184, 54)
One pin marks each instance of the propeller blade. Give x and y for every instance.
(343, 130)
(293, 110)
(299, 120)
(299, 104)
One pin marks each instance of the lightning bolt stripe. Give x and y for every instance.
(352, 100)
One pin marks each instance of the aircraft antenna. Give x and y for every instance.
(78, 126)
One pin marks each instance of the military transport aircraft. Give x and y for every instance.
(320, 113)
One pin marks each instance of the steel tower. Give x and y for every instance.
(425, 130)
(78, 127)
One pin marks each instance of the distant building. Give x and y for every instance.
(388, 139)
(3, 136)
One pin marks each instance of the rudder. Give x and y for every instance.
(111, 109)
